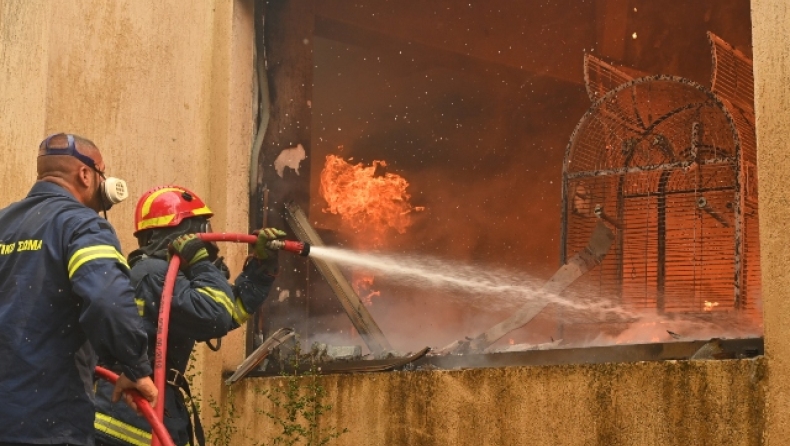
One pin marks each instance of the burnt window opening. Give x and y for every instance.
(480, 116)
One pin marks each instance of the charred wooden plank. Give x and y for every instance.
(260, 354)
(368, 329)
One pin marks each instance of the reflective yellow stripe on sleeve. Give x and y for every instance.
(140, 305)
(120, 430)
(243, 314)
(84, 255)
(239, 315)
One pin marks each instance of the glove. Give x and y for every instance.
(190, 248)
(261, 252)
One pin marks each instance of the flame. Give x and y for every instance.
(375, 204)
(709, 305)
(368, 203)
(363, 286)
(511, 341)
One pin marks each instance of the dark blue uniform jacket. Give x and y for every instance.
(65, 295)
(204, 307)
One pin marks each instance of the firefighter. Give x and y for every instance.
(204, 306)
(65, 295)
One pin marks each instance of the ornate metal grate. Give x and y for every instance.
(661, 160)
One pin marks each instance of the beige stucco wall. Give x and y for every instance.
(165, 90)
(681, 403)
(771, 37)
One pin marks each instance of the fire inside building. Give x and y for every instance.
(612, 179)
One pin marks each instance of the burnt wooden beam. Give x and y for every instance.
(364, 323)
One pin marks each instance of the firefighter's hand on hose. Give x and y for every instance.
(190, 248)
(143, 385)
(261, 252)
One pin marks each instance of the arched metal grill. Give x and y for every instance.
(660, 159)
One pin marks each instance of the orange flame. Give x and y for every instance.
(365, 201)
(363, 285)
(710, 305)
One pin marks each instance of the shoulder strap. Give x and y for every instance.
(176, 379)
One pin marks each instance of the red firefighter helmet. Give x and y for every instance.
(167, 206)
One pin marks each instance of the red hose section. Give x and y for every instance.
(228, 237)
(164, 315)
(161, 336)
(142, 405)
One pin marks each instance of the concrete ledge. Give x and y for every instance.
(644, 403)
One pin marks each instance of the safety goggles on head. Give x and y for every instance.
(44, 149)
(113, 190)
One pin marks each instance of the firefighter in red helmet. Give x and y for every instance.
(205, 305)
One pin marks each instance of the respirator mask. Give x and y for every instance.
(112, 191)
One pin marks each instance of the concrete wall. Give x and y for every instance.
(770, 19)
(651, 403)
(164, 90)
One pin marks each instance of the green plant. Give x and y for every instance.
(297, 405)
(224, 416)
(224, 426)
(190, 375)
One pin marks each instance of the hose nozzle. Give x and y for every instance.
(301, 248)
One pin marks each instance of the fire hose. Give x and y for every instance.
(163, 324)
(157, 426)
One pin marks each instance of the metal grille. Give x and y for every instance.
(732, 76)
(601, 78)
(659, 159)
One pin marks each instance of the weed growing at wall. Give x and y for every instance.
(297, 405)
(224, 426)
(224, 415)
(190, 374)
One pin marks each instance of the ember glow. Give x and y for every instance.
(709, 305)
(365, 201)
(363, 286)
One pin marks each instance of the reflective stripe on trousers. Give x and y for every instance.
(122, 431)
